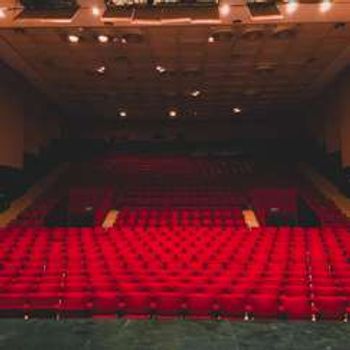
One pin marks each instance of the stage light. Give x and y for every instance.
(73, 38)
(123, 114)
(195, 93)
(103, 39)
(95, 11)
(160, 69)
(325, 6)
(2, 12)
(224, 10)
(292, 6)
(101, 70)
(172, 114)
(236, 110)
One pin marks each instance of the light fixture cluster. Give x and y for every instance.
(291, 8)
(173, 113)
(293, 5)
(101, 38)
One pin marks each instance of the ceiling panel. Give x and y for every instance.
(251, 66)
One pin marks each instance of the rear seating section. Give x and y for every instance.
(175, 272)
(210, 217)
(326, 211)
(35, 215)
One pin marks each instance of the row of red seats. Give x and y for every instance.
(172, 304)
(176, 165)
(130, 217)
(306, 266)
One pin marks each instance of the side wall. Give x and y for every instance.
(28, 122)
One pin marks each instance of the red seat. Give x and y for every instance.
(263, 305)
(12, 304)
(296, 307)
(231, 305)
(201, 305)
(105, 303)
(330, 307)
(75, 304)
(43, 303)
(136, 304)
(169, 304)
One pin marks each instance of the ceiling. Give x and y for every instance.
(256, 67)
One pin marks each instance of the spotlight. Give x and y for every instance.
(211, 39)
(2, 12)
(195, 93)
(103, 39)
(325, 6)
(123, 114)
(124, 41)
(236, 110)
(292, 6)
(101, 70)
(224, 10)
(160, 69)
(73, 38)
(172, 114)
(95, 11)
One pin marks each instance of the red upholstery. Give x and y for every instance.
(263, 305)
(296, 307)
(330, 307)
(194, 272)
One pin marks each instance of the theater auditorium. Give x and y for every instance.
(174, 174)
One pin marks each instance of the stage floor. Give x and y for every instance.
(171, 335)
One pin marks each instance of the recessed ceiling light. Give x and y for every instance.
(325, 6)
(211, 39)
(73, 38)
(123, 114)
(172, 113)
(101, 70)
(2, 12)
(195, 93)
(225, 10)
(292, 6)
(160, 69)
(96, 11)
(103, 38)
(236, 110)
